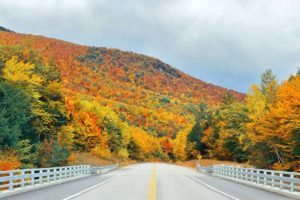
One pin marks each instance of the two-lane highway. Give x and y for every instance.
(152, 181)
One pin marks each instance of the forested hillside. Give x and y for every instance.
(58, 98)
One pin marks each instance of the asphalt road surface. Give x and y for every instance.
(150, 181)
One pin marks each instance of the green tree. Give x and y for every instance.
(269, 86)
(229, 124)
(15, 115)
(228, 98)
(202, 122)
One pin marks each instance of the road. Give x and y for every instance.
(152, 181)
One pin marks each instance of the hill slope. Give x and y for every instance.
(140, 94)
(124, 79)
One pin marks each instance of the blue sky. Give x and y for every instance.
(224, 42)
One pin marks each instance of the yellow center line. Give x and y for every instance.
(152, 191)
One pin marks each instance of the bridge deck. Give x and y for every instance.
(149, 181)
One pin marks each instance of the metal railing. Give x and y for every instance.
(271, 179)
(27, 178)
(103, 169)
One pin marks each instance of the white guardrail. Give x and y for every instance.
(283, 182)
(15, 181)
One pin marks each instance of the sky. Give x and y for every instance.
(225, 42)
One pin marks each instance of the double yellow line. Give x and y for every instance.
(152, 191)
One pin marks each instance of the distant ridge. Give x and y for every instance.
(4, 29)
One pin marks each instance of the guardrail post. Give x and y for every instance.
(280, 182)
(11, 182)
(72, 170)
(60, 177)
(55, 174)
(222, 170)
(22, 179)
(41, 176)
(228, 172)
(241, 173)
(48, 175)
(273, 181)
(32, 177)
(265, 178)
(257, 176)
(292, 183)
(66, 172)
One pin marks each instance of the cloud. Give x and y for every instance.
(229, 43)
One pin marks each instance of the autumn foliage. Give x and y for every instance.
(59, 100)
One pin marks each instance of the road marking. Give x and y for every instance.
(213, 188)
(207, 185)
(152, 191)
(90, 188)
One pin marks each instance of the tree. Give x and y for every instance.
(269, 86)
(259, 152)
(102, 148)
(229, 124)
(15, 115)
(203, 118)
(228, 98)
(25, 153)
(180, 144)
(259, 103)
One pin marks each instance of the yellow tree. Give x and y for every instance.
(259, 102)
(180, 143)
(280, 128)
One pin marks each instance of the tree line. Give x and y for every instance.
(263, 131)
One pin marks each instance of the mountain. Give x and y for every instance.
(143, 91)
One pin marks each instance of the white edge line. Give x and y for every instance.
(212, 188)
(90, 188)
(205, 184)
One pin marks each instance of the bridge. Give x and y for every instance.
(150, 181)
